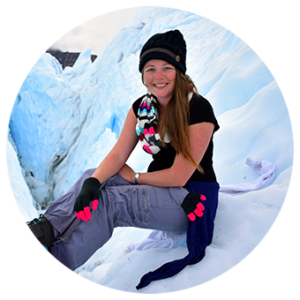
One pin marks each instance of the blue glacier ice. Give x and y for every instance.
(65, 121)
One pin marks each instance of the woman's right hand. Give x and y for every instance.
(89, 192)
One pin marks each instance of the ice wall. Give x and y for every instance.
(65, 121)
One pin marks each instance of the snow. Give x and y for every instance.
(66, 121)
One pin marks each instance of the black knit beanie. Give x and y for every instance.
(169, 46)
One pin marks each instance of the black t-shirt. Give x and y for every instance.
(200, 111)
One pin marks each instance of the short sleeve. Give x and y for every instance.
(202, 111)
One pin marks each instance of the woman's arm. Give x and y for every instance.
(119, 154)
(180, 172)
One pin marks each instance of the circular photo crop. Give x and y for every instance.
(80, 143)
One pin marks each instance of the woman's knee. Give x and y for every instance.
(88, 173)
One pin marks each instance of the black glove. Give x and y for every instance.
(192, 205)
(89, 192)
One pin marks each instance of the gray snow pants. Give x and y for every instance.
(121, 204)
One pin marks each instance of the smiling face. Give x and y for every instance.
(159, 78)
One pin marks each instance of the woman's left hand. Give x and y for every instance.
(127, 173)
(192, 206)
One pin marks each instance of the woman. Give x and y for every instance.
(175, 125)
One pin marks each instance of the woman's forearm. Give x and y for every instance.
(108, 167)
(117, 157)
(163, 178)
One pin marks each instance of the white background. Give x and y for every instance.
(270, 28)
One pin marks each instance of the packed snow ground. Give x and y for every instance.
(65, 121)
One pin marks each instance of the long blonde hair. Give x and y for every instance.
(175, 118)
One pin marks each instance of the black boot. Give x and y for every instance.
(43, 230)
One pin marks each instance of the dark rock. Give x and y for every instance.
(67, 59)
